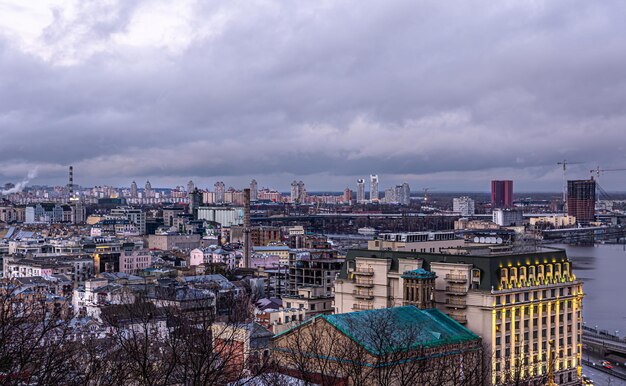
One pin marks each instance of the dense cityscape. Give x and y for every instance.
(321, 193)
(333, 288)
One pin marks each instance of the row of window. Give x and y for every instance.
(534, 295)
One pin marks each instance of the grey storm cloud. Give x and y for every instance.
(451, 92)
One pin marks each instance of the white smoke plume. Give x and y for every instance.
(22, 184)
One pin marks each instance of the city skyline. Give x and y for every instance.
(208, 92)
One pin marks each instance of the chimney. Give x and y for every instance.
(246, 228)
(71, 183)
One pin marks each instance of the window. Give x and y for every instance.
(313, 307)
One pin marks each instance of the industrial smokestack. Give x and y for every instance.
(246, 228)
(70, 185)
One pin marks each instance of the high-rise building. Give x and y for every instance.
(220, 191)
(502, 194)
(298, 192)
(190, 186)
(294, 191)
(347, 195)
(301, 192)
(390, 196)
(406, 194)
(133, 190)
(360, 191)
(147, 190)
(581, 200)
(465, 206)
(374, 188)
(254, 191)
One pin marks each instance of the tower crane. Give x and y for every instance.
(564, 164)
(599, 171)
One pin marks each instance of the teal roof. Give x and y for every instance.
(403, 328)
(419, 273)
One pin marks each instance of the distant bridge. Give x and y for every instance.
(602, 342)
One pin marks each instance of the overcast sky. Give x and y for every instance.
(442, 94)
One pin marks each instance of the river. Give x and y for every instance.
(603, 269)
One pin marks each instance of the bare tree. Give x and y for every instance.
(34, 344)
(374, 349)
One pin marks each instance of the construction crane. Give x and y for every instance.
(564, 164)
(599, 171)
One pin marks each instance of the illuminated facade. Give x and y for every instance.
(517, 301)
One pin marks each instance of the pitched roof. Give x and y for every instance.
(400, 328)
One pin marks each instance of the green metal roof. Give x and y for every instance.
(389, 330)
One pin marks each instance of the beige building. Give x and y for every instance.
(517, 301)
(168, 242)
(555, 221)
(432, 242)
(372, 283)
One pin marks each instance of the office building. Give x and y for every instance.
(374, 188)
(464, 206)
(133, 190)
(360, 191)
(518, 301)
(502, 194)
(581, 200)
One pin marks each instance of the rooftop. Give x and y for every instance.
(403, 328)
(488, 264)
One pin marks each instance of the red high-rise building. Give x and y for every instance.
(502, 194)
(581, 200)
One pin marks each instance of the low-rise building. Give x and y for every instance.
(405, 345)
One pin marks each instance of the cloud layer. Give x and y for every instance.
(446, 93)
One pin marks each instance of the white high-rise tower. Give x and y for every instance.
(374, 187)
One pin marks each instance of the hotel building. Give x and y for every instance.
(518, 301)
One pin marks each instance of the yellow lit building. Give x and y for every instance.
(516, 300)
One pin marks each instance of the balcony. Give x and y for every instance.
(364, 283)
(456, 291)
(456, 278)
(453, 303)
(362, 307)
(366, 295)
(364, 271)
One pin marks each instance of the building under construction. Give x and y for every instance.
(581, 200)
